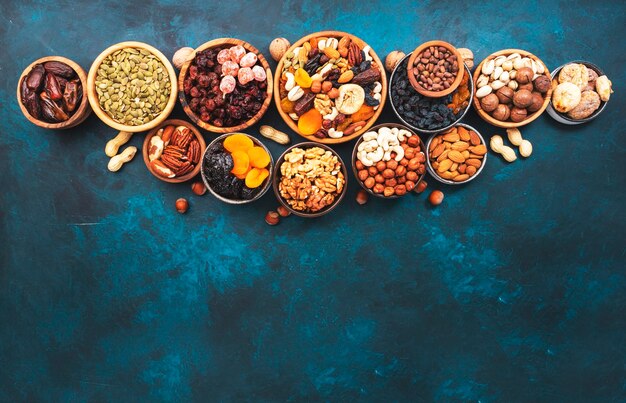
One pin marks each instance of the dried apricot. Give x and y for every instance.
(310, 122)
(364, 113)
(256, 176)
(238, 142)
(241, 162)
(287, 106)
(259, 158)
(303, 79)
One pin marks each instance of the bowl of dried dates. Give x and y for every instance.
(172, 151)
(50, 93)
(330, 87)
(237, 168)
(513, 88)
(310, 179)
(389, 161)
(428, 114)
(457, 155)
(225, 86)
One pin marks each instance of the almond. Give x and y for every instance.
(443, 156)
(456, 156)
(460, 146)
(473, 162)
(463, 133)
(474, 139)
(346, 77)
(438, 150)
(434, 143)
(452, 137)
(444, 165)
(480, 149)
(471, 170)
(460, 178)
(331, 53)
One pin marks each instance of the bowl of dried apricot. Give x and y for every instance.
(236, 168)
(330, 87)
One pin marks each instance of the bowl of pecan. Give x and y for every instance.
(236, 168)
(225, 85)
(50, 93)
(330, 87)
(310, 179)
(172, 151)
(389, 160)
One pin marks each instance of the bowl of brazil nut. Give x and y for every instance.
(330, 87)
(131, 87)
(389, 161)
(457, 155)
(50, 93)
(310, 179)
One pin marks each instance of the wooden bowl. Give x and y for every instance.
(146, 147)
(277, 176)
(424, 91)
(93, 95)
(83, 110)
(183, 98)
(508, 124)
(294, 124)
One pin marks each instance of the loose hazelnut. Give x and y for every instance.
(542, 84)
(392, 59)
(501, 113)
(536, 104)
(505, 95)
(436, 197)
(182, 205)
(522, 98)
(198, 188)
(361, 197)
(278, 47)
(283, 211)
(272, 218)
(421, 186)
(524, 75)
(490, 102)
(518, 114)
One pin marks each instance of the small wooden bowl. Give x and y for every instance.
(79, 115)
(146, 147)
(93, 95)
(183, 98)
(508, 124)
(277, 176)
(424, 91)
(294, 124)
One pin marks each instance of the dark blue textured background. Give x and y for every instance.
(513, 290)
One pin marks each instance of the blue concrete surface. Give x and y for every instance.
(513, 290)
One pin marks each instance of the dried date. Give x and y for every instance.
(50, 110)
(34, 79)
(52, 87)
(59, 69)
(71, 96)
(367, 77)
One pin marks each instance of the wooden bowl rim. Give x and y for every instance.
(293, 124)
(268, 180)
(507, 125)
(93, 95)
(79, 115)
(306, 145)
(360, 140)
(455, 83)
(173, 122)
(183, 99)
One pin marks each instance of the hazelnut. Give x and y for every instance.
(524, 75)
(361, 197)
(400, 190)
(388, 191)
(378, 188)
(421, 186)
(372, 171)
(400, 170)
(381, 166)
(412, 176)
(391, 182)
(542, 84)
(278, 47)
(468, 57)
(182, 205)
(392, 59)
(501, 113)
(536, 104)
(388, 174)
(272, 218)
(392, 164)
(363, 174)
(379, 178)
(436, 197)
(505, 95)
(369, 182)
(518, 114)
(359, 165)
(198, 188)
(522, 98)
(180, 57)
(413, 141)
(283, 211)
(410, 185)
(490, 102)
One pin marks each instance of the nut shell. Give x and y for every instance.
(501, 113)
(536, 103)
(522, 98)
(278, 48)
(542, 84)
(505, 95)
(180, 57)
(524, 75)
(490, 102)
(518, 114)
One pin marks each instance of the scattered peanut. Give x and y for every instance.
(525, 149)
(115, 143)
(515, 137)
(273, 134)
(497, 145)
(117, 161)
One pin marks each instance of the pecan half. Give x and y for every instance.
(354, 54)
(171, 162)
(182, 138)
(184, 169)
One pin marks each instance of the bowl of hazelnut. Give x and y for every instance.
(389, 160)
(513, 88)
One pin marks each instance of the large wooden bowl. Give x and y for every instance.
(93, 95)
(498, 123)
(294, 124)
(424, 91)
(183, 98)
(79, 115)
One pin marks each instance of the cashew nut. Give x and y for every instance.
(291, 81)
(376, 155)
(332, 115)
(117, 161)
(334, 134)
(364, 159)
(370, 136)
(387, 155)
(403, 133)
(399, 152)
(377, 87)
(295, 93)
(366, 51)
(115, 143)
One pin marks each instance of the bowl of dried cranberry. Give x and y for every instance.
(225, 86)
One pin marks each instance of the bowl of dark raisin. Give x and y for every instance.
(50, 93)
(226, 86)
(425, 114)
(236, 168)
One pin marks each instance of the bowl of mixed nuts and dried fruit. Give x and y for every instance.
(330, 87)
(225, 86)
(310, 179)
(131, 87)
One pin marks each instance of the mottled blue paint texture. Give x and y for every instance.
(514, 289)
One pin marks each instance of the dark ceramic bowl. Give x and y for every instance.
(277, 177)
(355, 151)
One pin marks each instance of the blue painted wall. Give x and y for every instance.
(512, 290)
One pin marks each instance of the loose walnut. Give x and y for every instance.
(392, 59)
(490, 102)
(278, 47)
